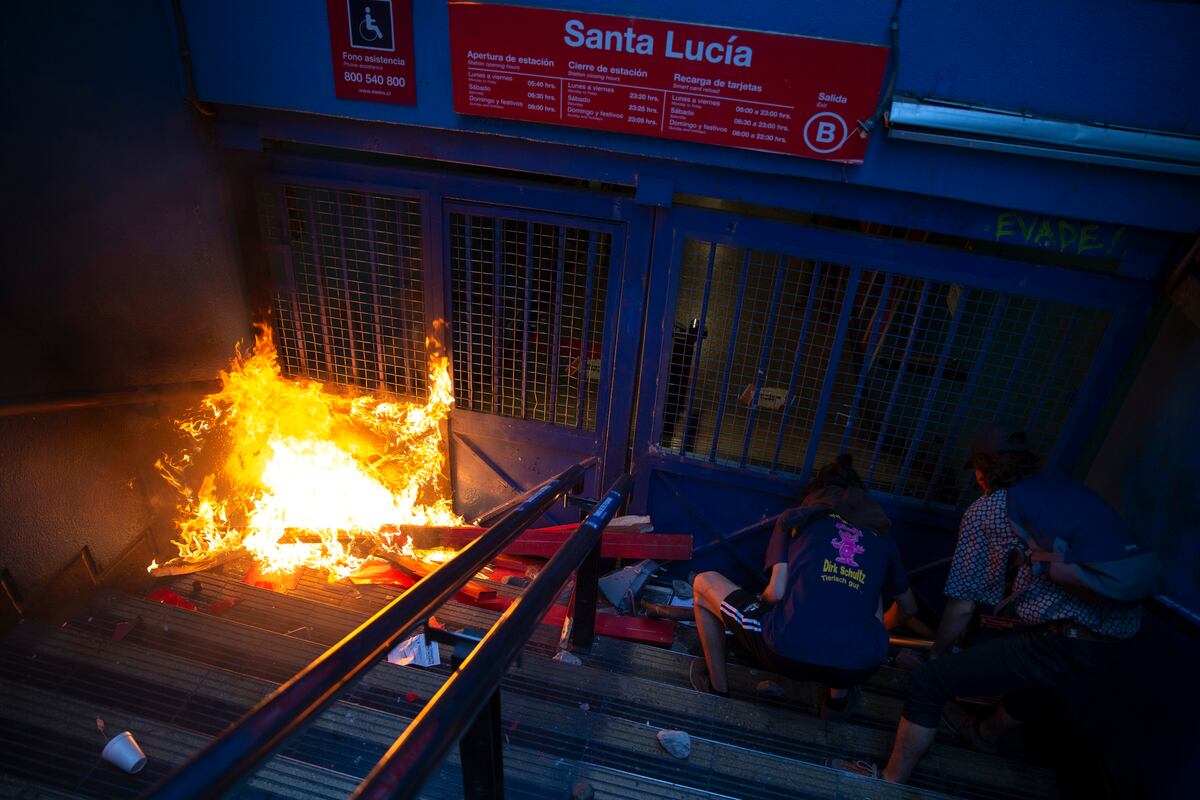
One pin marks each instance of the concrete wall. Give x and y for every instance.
(1149, 464)
(1149, 469)
(120, 270)
(1123, 63)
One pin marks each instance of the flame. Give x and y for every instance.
(298, 476)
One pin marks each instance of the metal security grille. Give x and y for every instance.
(527, 311)
(896, 370)
(348, 303)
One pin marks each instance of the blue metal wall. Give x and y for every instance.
(1124, 63)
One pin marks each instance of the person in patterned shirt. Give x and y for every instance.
(1061, 637)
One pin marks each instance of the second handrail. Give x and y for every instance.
(414, 757)
(252, 738)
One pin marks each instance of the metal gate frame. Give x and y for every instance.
(667, 477)
(440, 193)
(651, 253)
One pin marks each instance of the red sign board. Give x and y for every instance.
(724, 86)
(372, 44)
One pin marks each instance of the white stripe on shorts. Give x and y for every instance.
(747, 623)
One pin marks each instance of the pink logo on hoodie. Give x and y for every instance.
(847, 545)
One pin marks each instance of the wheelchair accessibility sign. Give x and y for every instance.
(370, 24)
(372, 49)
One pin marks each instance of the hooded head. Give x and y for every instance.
(993, 438)
(838, 487)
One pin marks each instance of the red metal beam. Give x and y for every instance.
(544, 542)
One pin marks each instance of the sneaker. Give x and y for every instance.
(839, 711)
(698, 675)
(976, 740)
(966, 726)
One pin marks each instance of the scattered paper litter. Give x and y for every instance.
(632, 522)
(415, 651)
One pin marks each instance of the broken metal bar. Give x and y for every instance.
(544, 542)
(908, 641)
(721, 538)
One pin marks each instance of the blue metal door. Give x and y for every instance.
(543, 369)
(771, 348)
(535, 292)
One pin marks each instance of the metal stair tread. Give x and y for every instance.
(969, 771)
(620, 735)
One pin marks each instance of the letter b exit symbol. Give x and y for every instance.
(825, 132)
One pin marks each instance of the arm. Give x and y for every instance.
(901, 611)
(974, 575)
(776, 561)
(777, 583)
(954, 621)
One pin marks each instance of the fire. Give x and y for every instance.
(297, 475)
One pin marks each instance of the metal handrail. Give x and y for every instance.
(414, 757)
(495, 512)
(1179, 615)
(19, 406)
(255, 736)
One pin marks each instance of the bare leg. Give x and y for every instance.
(712, 639)
(708, 590)
(912, 741)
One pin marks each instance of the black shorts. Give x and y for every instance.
(743, 613)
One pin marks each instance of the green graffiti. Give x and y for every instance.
(1088, 238)
(1004, 224)
(1045, 233)
(1066, 236)
(1024, 230)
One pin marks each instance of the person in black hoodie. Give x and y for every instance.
(833, 570)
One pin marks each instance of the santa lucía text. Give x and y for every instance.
(630, 41)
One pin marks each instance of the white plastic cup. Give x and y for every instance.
(124, 752)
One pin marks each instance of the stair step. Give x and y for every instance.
(618, 655)
(549, 692)
(51, 740)
(881, 705)
(743, 722)
(298, 615)
(191, 700)
(13, 788)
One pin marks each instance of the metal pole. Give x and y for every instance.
(583, 602)
(415, 756)
(481, 754)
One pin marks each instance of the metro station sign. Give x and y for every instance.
(796, 95)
